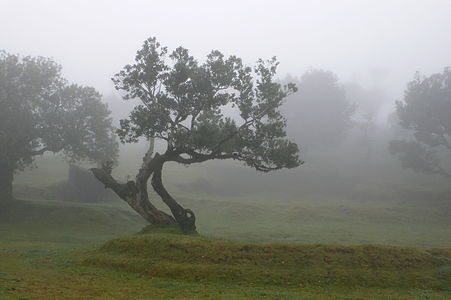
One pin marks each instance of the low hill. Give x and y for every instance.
(199, 259)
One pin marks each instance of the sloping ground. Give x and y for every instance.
(53, 221)
(47, 252)
(198, 259)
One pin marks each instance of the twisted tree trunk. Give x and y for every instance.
(136, 195)
(184, 217)
(6, 182)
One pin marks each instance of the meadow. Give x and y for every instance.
(250, 245)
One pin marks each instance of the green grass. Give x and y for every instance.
(198, 259)
(52, 250)
(328, 223)
(347, 223)
(381, 215)
(162, 264)
(250, 246)
(52, 221)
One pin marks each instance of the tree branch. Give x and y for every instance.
(198, 157)
(122, 190)
(135, 196)
(147, 167)
(39, 152)
(43, 150)
(184, 217)
(243, 126)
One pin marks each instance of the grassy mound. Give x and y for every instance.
(198, 259)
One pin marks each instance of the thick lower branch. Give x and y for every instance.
(184, 217)
(135, 196)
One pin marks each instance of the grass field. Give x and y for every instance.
(416, 217)
(67, 258)
(251, 246)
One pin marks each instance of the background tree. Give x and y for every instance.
(40, 112)
(320, 114)
(81, 186)
(368, 103)
(184, 104)
(426, 112)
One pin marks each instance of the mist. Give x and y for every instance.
(352, 148)
(381, 43)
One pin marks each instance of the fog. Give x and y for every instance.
(360, 56)
(276, 149)
(378, 43)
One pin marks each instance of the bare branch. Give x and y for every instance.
(43, 150)
(198, 158)
(147, 167)
(39, 152)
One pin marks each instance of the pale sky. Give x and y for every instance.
(93, 40)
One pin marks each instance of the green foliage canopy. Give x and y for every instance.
(425, 111)
(40, 111)
(218, 109)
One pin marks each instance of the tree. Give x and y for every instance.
(368, 103)
(40, 112)
(184, 104)
(81, 186)
(320, 114)
(425, 112)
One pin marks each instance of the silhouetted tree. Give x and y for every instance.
(184, 104)
(81, 186)
(320, 113)
(40, 112)
(426, 112)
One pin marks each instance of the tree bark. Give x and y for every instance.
(6, 183)
(136, 195)
(185, 218)
(135, 192)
